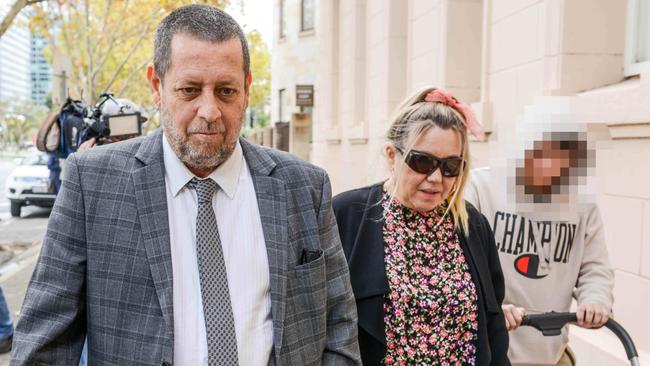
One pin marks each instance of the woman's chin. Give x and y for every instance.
(425, 201)
(428, 206)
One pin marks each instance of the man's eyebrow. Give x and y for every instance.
(220, 83)
(186, 82)
(227, 82)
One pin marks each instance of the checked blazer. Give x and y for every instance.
(105, 268)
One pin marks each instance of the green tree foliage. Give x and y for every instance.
(110, 42)
(13, 11)
(261, 71)
(19, 121)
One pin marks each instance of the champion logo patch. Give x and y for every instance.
(528, 265)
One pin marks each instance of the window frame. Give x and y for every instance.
(282, 30)
(632, 68)
(282, 94)
(302, 16)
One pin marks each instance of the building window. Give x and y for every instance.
(282, 95)
(283, 19)
(307, 15)
(637, 47)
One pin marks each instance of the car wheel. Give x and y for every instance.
(15, 209)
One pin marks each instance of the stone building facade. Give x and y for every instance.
(588, 58)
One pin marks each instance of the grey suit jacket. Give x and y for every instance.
(105, 269)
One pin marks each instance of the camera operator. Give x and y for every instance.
(79, 127)
(111, 120)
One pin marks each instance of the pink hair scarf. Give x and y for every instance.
(472, 124)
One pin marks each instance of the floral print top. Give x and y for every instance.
(430, 311)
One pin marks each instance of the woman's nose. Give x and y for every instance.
(435, 176)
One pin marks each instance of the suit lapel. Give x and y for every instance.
(271, 195)
(151, 197)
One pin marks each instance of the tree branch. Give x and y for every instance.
(111, 35)
(13, 12)
(128, 79)
(90, 67)
(64, 30)
(126, 59)
(107, 12)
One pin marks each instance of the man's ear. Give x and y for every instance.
(155, 83)
(247, 86)
(249, 81)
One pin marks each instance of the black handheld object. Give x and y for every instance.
(550, 324)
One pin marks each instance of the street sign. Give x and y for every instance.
(304, 95)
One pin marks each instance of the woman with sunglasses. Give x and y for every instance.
(423, 263)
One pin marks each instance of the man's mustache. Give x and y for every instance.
(208, 128)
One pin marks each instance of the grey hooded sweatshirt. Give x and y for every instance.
(549, 253)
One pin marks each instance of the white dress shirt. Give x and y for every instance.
(244, 250)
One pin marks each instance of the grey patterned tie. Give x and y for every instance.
(217, 309)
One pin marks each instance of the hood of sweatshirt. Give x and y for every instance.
(548, 122)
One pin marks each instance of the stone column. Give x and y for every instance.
(300, 135)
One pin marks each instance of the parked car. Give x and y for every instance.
(28, 184)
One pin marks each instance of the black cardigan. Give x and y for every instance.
(359, 217)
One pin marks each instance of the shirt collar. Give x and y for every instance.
(226, 175)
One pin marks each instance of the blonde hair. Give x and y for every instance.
(414, 117)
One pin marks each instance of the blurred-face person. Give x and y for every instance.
(549, 235)
(549, 167)
(544, 166)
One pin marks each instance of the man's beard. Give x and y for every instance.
(191, 156)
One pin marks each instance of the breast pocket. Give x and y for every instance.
(306, 312)
(310, 279)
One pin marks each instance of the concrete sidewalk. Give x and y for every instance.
(14, 277)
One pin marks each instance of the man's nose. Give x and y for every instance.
(209, 108)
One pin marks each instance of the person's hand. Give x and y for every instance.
(592, 315)
(514, 315)
(110, 140)
(87, 145)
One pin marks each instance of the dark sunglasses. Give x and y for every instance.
(425, 163)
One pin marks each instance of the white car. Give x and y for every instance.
(28, 184)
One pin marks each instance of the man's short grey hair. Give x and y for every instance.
(197, 20)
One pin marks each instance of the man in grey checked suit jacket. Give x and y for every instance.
(105, 269)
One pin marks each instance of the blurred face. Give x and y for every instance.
(418, 191)
(544, 166)
(202, 100)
